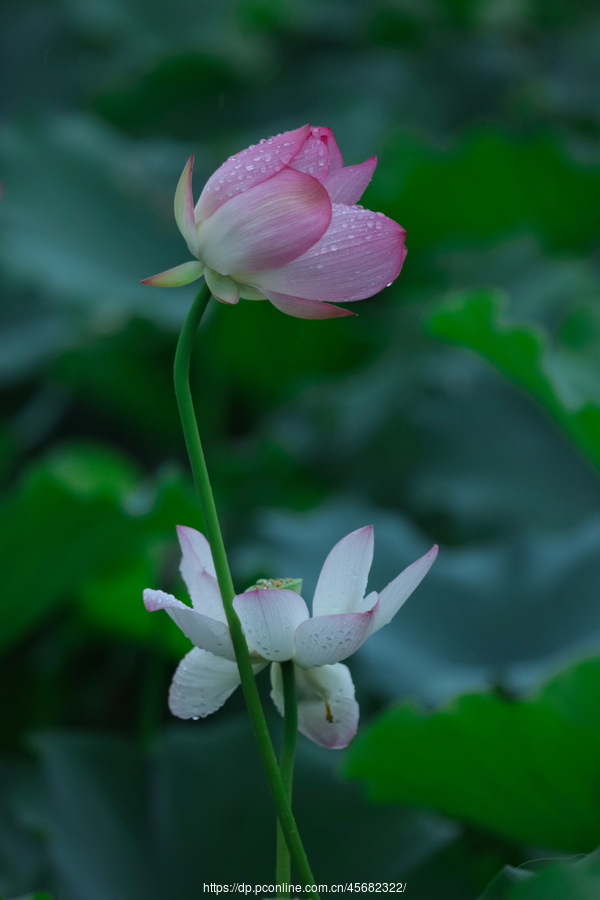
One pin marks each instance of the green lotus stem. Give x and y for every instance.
(212, 531)
(286, 767)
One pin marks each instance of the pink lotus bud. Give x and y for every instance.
(280, 221)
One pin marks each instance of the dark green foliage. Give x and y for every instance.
(461, 407)
(526, 769)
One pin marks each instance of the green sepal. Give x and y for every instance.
(289, 584)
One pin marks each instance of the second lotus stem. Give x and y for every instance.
(281, 793)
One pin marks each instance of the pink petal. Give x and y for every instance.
(343, 579)
(201, 684)
(347, 185)
(399, 590)
(184, 207)
(306, 309)
(249, 168)
(203, 631)
(324, 640)
(269, 619)
(267, 226)
(326, 135)
(327, 711)
(177, 276)
(313, 157)
(360, 253)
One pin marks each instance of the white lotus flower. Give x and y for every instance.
(278, 627)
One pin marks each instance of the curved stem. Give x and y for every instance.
(181, 371)
(286, 767)
(215, 539)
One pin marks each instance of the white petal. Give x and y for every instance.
(343, 579)
(399, 590)
(196, 551)
(269, 619)
(203, 631)
(198, 572)
(206, 597)
(327, 711)
(222, 287)
(201, 684)
(324, 640)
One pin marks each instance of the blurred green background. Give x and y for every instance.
(462, 407)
